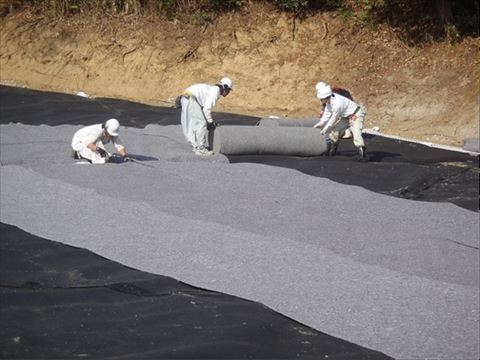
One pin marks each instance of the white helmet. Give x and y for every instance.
(112, 126)
(320, 85)
(226, 82)
(324, 92)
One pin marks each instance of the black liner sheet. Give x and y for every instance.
(62, 302)
(33, 107)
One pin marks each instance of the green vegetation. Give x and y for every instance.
(421, 20)
(417, 20)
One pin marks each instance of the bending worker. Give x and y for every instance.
(340, 114)
(89, 142)
(197, 103)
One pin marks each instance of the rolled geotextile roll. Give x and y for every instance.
(264, 140)
(306, 122)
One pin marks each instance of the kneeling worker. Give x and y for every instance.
(340, 113)
(89, 142)
(197, 103)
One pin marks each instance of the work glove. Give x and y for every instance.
(211, 126)
(102, 152)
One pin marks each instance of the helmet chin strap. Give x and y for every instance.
(105, 132)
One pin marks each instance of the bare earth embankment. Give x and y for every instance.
(427, 93)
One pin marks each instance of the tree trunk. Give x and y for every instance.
(444, 14)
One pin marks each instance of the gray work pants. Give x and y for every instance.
(194, 124)
(85, 153)
(355, 124)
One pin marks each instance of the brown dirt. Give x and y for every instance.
(427, 93)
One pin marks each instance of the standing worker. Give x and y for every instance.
(340, 114)
(197, 103)
(89, 142)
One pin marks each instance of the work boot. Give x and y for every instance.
(333, 149)
(329, 146)
(203, 152)
(362, 154)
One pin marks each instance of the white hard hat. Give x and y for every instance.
(324, 92)
(112, 126)
(227, 82)
(320, 85)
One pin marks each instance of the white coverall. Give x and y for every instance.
(197, 103)
(93, 134)
(340, 114)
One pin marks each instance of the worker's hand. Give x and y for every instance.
(323, 132)
(102, 152)
(352, 119)
(211, 126)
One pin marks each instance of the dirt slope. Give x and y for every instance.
(427, 93)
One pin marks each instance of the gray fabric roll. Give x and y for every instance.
(306, 122)
(471, 144)
(262, 140)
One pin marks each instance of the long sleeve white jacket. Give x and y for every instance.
(338, 107)
(207, 96)
(91, 135)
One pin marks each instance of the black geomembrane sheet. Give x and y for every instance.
(59, 302)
